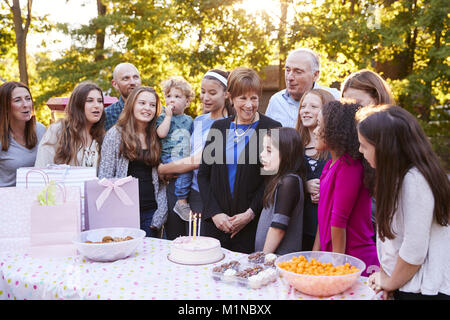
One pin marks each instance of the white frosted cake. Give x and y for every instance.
(202, 250)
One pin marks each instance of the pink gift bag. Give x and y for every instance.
(53, 227)
(16, 203)
(61, 173)
(112, 203)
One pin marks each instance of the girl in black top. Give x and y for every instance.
(280, 225)
(310, 106)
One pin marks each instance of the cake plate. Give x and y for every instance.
(195, 264)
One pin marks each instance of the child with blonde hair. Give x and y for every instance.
(174, 128)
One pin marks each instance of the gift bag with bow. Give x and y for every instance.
(112, 203)
(54, 222)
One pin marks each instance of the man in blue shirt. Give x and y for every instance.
(125, 78)
(302, 70)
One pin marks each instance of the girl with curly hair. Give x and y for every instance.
(344, 215)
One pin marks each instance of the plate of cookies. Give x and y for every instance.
(253, 271)
(108, 244)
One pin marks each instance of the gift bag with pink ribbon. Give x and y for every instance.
(112, 203)
(54, 222)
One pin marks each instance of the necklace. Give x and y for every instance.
(238, 136)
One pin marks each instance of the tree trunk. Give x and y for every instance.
(282, 45)
(100, 34)
(21, 32)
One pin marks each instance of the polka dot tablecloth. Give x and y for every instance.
(146, 274)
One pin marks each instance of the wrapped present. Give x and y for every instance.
(70, 176)
(54, 225)
(112, 203)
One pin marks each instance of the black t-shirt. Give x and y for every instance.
(314, 171)
(143, 172)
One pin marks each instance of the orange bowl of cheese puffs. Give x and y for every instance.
(319, 273)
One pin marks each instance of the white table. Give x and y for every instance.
(146, 274)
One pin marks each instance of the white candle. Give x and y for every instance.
(190, 221)
(199, 222)
(195, 224)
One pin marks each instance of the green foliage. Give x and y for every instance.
(406, 41)
(162, 38)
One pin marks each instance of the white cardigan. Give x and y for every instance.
(47, 148)
(419, 239)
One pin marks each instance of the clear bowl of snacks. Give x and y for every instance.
(319, 273)
(255, 271)
(108, 244)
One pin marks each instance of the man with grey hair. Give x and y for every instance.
(302, 70)
(125, 78)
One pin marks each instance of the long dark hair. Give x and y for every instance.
(6, 90)
(228, 107)
(70, 139)
(401, 144)
(290, 146)
(130, 146)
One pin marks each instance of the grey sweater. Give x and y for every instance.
(114, 166)
(17, 156)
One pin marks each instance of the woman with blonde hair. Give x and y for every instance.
(20, 133)
(309, 109)
(132, 148)
(77, 138)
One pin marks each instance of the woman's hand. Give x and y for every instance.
(315, 198)
(313, 186)
(165, 177)
(240, 220)
(375, 283)
(222, 222)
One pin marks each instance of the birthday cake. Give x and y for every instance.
(195, 250)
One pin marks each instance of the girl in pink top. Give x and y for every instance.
(344, 215)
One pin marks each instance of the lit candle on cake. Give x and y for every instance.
(190, 221)
(199, 223)
(195, 220)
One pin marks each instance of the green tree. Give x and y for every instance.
(162, 38)
(406, 41)
(21, 28)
